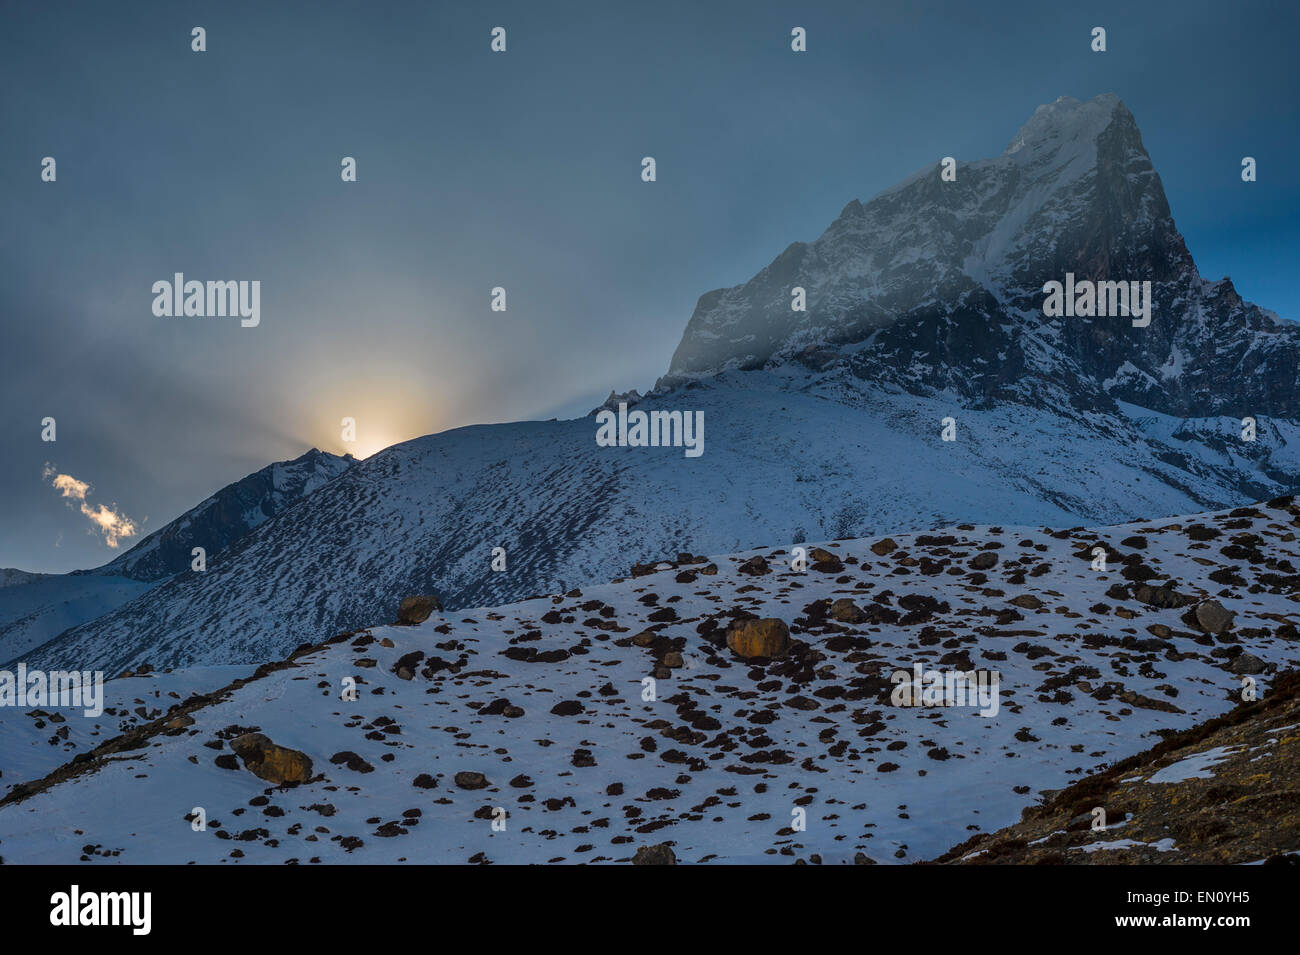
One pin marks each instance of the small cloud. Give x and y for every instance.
(110, 522)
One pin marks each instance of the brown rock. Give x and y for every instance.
(470, 780)
(769, 637)
(882, 547)
(274, 763)
(417, 609)
(846, 611)
(661, 854)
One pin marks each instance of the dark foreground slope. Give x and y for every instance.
(1226, 791)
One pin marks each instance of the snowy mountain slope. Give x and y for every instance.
(37, 740)
(544, 699)
(11, 576)
(32, 613)
(781, 464)
(924, 303)
(36, 608)
(216, 523)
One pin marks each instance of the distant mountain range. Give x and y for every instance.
(923, 304)
(37, 607)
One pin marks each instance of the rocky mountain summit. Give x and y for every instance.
(937, 286)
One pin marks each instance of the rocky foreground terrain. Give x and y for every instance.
(1226, 792)
(626, 718)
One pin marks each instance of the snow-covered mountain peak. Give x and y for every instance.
(936, 285)
(1068, 120)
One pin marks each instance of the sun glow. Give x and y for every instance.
(367, 432)
(364, 446)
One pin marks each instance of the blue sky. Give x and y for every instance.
(520, 170)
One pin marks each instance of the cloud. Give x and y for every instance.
(67, 485)
(110, 522)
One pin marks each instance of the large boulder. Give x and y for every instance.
(661, 854)
(270, 761)
(769, 637)
(1213, 617)
(417, 609)
(1247, 663)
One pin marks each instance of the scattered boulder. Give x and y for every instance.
(1164, 598)
(755, 566)
(768, 637)
(277, 764)
(985, 560)
(1133, 698)
(471, 780)
(882, 547)
(352, 761)
(1247, 664)
(661, 854)
(1212, 617)
(846, 611)
(417, 609)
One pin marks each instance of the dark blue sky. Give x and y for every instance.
(520, 170)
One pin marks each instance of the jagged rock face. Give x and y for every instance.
(227, 516)
(938, 286)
